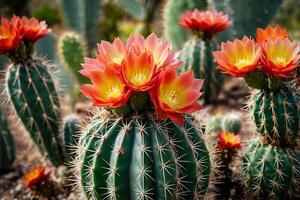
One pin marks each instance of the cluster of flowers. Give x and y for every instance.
(141, 65)
(272, 52)
(208, 21)
(14, 31)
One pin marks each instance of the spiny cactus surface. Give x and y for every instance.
(140, 157)
(271, 172)
(276, 115)
(32, 92)
(231, 123)
(7, 144)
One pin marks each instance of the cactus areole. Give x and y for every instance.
(142, 145)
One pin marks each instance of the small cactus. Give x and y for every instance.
(7, 144)
(70, 129)
(271, 171)
(72, 51)
(142, 157)
(214, 124)
(231, 123)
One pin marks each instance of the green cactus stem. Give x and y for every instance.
(139, 157)
(276, 115)
(196, 56)
(271, 172)
(32, 92)
(7, 144)
(231, 123)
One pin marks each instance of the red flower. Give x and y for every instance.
(280, 57)
(207, 21)
(270, 33)
(90, 65)
(32, 29)
(229, 141)
(107, 88)
(239, 57)
(175, 95)
(36, 176)
(138, 71)
(10, 37)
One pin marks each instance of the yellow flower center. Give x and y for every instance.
(242, 62)
(280, 60)
(113, 91)
(139, 77)
(172, 98)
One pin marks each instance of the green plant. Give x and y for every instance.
(173, 31)
(196, 56)
(142, 157)
(48, 13)
(214, 123)
(83, 17)
(271, 172)
(7, 144)
(70, 131)
(231, 123)
(72, 51)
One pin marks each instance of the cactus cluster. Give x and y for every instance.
(230, 123)
(7, 144)
(140, 157)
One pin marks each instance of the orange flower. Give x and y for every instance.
(239, 57)
(111, 54)
(207, 21)
(138, 71)
(160, 50)
(270, 33)
(32, 29)
(107, 88)
(229, 141)
(280, 57)
(175, 95)
(90, 65)
(10, 37)
(35, 176)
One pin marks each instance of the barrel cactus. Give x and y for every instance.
(135, 148)
(271, 165)
(7, 144)
(231, 123)
(31, 89)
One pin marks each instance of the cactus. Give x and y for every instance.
(214, 124)
(7, 144)
(72, 51)
(196, 55)
(173, 31)
(83, 16)
(259, 13)
(70, 130)
(276, 115)
(32, 92)
(271, 172)
(140, 157)
(231, 123)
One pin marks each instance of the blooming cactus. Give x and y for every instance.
(229, 141)
(10, 37)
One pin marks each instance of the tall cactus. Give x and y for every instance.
(7, 144)
(83, 16)
(32, 92)
(72, 50)
(141, 157)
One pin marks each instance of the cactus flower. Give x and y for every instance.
(280, 57)
(90, 65)
(239, 57)
(138, 71)
(107, 88)
(111, 53)
(160, 50)
(175, 95)
(229, 141)
(10, 37)
(32, 30)
(35, 176)
(270, 33)
(207, 21)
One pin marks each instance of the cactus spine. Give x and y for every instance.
(196, 55)
(140, 157)
(70, 129)
(32, 92)
(72, 51)
(7, 144)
